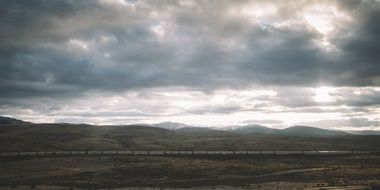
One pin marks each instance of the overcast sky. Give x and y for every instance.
(212, 63)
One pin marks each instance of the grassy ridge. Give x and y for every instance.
(45, 137)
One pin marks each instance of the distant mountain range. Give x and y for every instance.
(171, 125)
(291, 131)
(240, 129)
(259, 129)
(309, 131)
(17, 135)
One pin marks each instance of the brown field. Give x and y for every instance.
(204, 172)
(361, 171)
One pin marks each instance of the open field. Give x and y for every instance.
(187, 171)
(68, 156)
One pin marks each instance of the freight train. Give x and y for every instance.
(176, 152)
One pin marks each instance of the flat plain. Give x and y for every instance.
(192, 172)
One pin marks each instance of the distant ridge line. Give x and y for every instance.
(297, 130)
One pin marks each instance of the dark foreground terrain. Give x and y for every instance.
(266, 171)
(221, 172)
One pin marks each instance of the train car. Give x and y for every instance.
(28, 153)
(362, 152)
(156, 152)
(9, 154)
(240, 152)
(110, 152)
(45, 153)
(268, 152)
(310, 152)
(325, 152)
(78, 152)
(125, 152)
(253, 152)
(186, 152)
(212, 152)
(62, 152)
(226, 152)
(346, 152)
(140, 152)
(200, 152)
(94, 152)
(171, 152)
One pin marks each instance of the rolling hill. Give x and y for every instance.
(364, 132)
(305, 131)
(251, 129)
(61, 136)
(308, 131)
(8, 120)
(170, 125)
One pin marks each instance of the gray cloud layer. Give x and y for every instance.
(63, 49)
(200, 47)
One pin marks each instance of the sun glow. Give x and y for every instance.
(327, 20)
(255, 12)
(259, 11)
(323, 23)
(322, 94)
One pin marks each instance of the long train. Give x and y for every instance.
(162, 153)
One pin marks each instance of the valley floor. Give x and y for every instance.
(194, 172)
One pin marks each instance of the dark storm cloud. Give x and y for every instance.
(365, 98)
(363, 122)
(201, 46)
(360, 49)
(38, 20)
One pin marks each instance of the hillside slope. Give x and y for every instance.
(39, 137)
(24, 136)
(308, 131)
(252, 129)
(8, 120)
